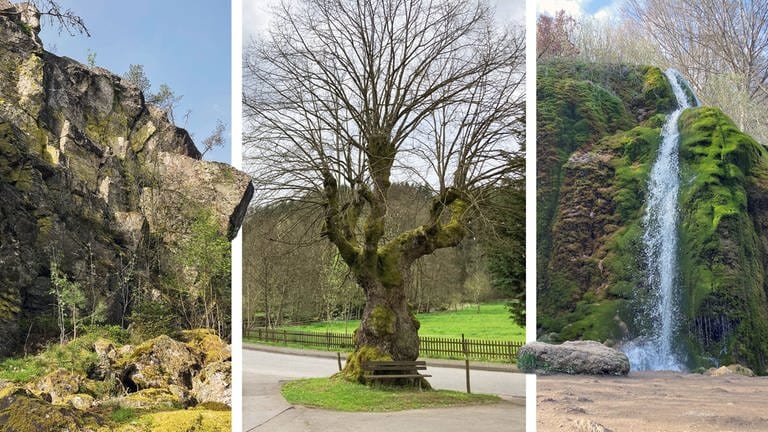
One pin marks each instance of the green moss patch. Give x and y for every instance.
(341, 395)
(182, 420)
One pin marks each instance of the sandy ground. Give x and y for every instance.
(652, 401)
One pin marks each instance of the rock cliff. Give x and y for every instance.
(598, 131)
(93, 178)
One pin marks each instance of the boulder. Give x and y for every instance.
(106, 357)
(79, 401)
(158, 363)
(211, 347)
(214, 383)
(573, 357)
(149, 399)
(22, 411)
(57, 385)
(734, 369)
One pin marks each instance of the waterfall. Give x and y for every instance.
(655, 350)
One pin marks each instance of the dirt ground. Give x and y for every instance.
(652, 401)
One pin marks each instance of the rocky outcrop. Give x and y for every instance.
(195, 369)
(94, 178)
(573, 357)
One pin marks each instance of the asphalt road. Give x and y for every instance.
(264, 409)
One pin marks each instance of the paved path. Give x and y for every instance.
(266, 410)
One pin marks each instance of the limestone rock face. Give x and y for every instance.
(94, 177)
(573, 357)
(214, 383)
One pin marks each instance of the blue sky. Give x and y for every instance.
(182, 43)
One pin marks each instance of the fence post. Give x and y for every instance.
(285, 337)
(327, 340)
(338, 358)
(466, 360)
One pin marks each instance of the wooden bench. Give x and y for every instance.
(395, 370)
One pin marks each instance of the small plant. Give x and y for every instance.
(122, 415)
(527, 362)
(70, 298)
(91, 58)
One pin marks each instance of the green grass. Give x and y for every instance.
(492, 322)
(22, 370)
(122, 415)
(76, 356)
(341, 395)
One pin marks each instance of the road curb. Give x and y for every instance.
(457, 364)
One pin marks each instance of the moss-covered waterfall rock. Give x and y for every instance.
(95, 178)
(598, 127)
(724, 256)
(598, 145)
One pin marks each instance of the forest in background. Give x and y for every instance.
(292, 275)
(720, 46)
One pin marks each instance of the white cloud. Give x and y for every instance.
(510, 11)
(573, 8)
(256, 16)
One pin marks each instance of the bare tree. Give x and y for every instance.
(555, 36)
(710, 38)
(343, 97)
(64, 19)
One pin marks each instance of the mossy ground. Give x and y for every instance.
(339, 394)
(197, 420)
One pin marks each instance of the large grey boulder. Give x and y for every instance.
(159, 363)
(573, 357)
(214, 383)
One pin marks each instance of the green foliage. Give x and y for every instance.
(91, 58)
(504, 246)
(76, 355)
(150, 319)
(70, 299)
(341, 395)
(137, 77)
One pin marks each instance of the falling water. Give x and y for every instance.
(655, 350)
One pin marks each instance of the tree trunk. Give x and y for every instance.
(388, 324)
(388, 331)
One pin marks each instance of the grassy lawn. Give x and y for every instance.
(338, 394)
(492, 322)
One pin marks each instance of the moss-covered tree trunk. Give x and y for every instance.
(387, 326)
(388, 330)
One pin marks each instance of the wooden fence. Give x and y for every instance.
(441, 347)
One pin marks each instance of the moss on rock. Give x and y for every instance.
(723, 263)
